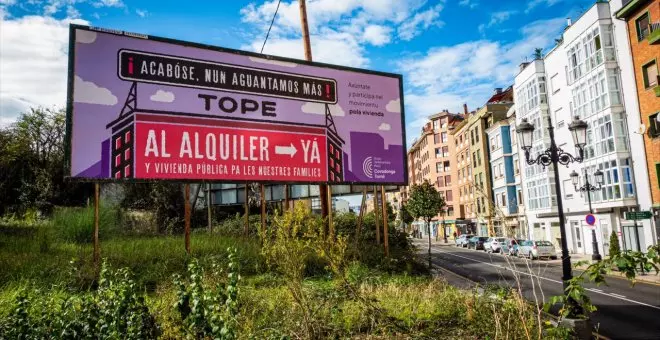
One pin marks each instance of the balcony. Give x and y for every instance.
(654, 37)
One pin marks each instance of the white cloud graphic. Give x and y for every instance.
(384, 127)
(85, 37)
(319, 109)
(394, 106)
(162, 96)
(90, 93)
(273, 62)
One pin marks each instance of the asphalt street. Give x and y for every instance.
(624, 311)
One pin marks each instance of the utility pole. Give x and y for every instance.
(323, 188)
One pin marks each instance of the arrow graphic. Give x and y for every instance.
(286, 150)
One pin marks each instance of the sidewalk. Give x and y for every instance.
(650, 278)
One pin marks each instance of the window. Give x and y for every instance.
(447, 167)
(567, 186)
(654, 125)
(492, 144)
(520, 200)
(438, 167)
(443, 137)
(445, 151)
(650, 73)
(441, 181)
(436, 138)
(554, 83)
(448, 180)
(448, 196)
(476, 134)
(626, 174)
(450, 210)
(438, 152)
(538, 194)
(642, 25)
(479, 159)
(436, 125)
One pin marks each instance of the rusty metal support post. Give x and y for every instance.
(186, 217)
(385, 226)
(263, 208)
(246, 229)
(97, 246)
(376, 215)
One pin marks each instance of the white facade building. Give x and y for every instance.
(589, 75)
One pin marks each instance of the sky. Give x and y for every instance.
(450, 52)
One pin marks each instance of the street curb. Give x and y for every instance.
(621, 276)
(553, 317)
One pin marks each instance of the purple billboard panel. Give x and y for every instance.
(148, 108)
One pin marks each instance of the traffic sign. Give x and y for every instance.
(638, 215)
(590, 219)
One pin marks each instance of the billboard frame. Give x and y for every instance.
(69, 107)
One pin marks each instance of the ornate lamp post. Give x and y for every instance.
(555, 156)
(588, 188)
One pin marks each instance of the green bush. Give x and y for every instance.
(74, 224)
(117, 310)
(615, 248)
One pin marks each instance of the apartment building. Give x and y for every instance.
(493, 111)
(505, 170)
(582, 77)
(429, 159)
(463, 184)
(641, 35)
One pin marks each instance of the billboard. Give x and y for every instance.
(149, 108)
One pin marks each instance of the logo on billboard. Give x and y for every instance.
(376, 167)
(368, 167)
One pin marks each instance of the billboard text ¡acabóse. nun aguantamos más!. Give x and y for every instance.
(147, 108)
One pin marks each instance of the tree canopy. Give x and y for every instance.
(425, 201)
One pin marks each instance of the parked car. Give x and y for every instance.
(536, 249)
(477, 242)
(512, 246)
(462, 240)
(494, 244)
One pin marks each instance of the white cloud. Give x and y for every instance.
(535, 3)
(319, 109)
(394, 106)
(108, 3)
(469, 3)
(333, 47)
(339, 29)
(377, 35)
(141, 13)
(384, 127)
(496, 18)
(7, 2)
(448, 76)
(33, 63)
(273, 62)
(421, 21)
(85, 37)
(90, 93)
(162, 96)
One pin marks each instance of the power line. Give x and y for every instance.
(271, 25)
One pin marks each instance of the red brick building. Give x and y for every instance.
(643, 22)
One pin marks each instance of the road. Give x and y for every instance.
(624, 312)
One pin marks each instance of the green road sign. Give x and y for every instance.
(638, 215)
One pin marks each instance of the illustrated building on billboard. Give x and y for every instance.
(121, 151)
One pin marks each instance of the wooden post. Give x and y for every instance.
(208, 207)
(186, 217)
(385, 227)
(286, 197)
(376, 215)
(331, 226)
(263, 208)
(97, 246)
(360, 216)
(323, 188)
(246, 229)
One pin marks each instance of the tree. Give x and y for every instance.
(538, 53)
(405, 215)
(425, 202)
(615, 248)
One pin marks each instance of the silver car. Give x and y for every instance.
(494, 244)
(536, 249)
(462, 240)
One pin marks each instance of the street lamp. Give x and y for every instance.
(588, 188)
(444, 229)
(555, 156)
